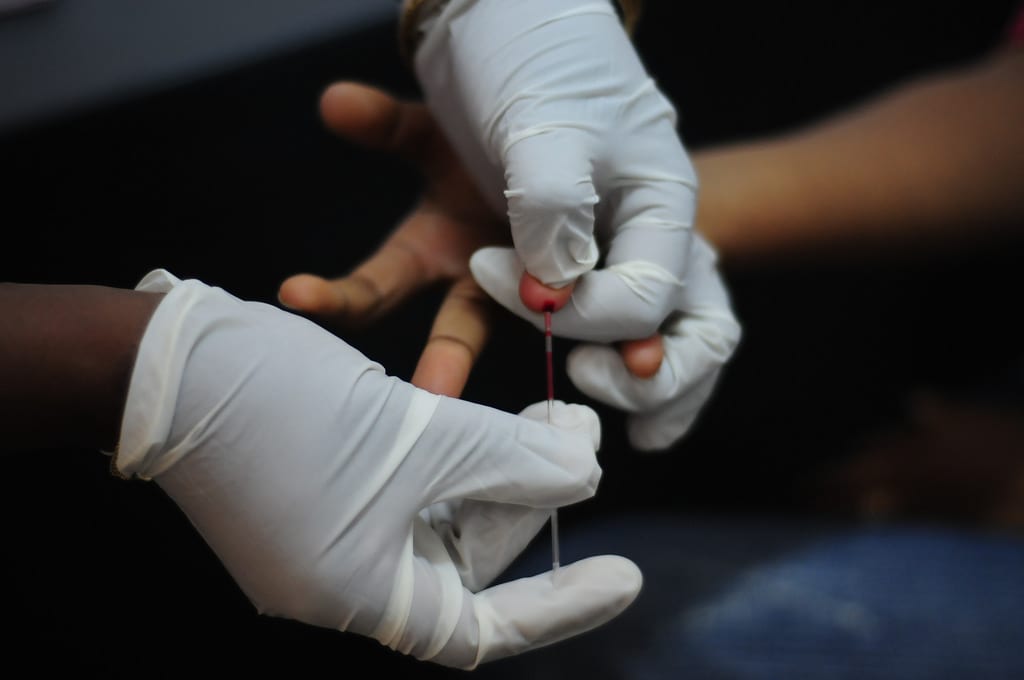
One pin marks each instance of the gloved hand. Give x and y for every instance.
(341, 497)
(548, 105)
(550, 108)
(698, 338)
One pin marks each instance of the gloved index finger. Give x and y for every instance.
(551, 199)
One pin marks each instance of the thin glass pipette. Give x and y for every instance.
(551, 402)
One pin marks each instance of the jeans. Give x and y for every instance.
(788, 598)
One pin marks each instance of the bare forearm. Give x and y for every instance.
(66, 356)
(937, 160)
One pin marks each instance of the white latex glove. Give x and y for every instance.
(698, 337)
(341, 497)
(548, 105)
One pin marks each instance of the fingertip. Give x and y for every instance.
(335, 91)
(335, 96)
(354, 109)
(643, 357)
(303, 292)
(541, 298)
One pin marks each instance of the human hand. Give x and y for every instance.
(341, 497)
(433, 243)
(550, 108)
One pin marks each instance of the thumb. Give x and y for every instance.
(540, 610)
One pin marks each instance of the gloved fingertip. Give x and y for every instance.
(540, 610)
(573, 417)
(648, 438)
(620, 579)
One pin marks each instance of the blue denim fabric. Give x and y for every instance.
(785, 598)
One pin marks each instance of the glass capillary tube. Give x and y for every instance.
(551, 402)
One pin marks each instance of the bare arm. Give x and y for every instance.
(939, 160)
(66, 356)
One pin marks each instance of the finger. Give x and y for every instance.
(650, 219)
(311, 293)
(643, 357)
(369, 292)
(652, 231)
(370, 117)
(534, 612)
(504, 458)
(540, 298)
(660, 428)
(651, 201)
(696, 346)
(397, 270)
(600, 372)
(457, 337)
(647, 264)
(551, 199)
(431, 616)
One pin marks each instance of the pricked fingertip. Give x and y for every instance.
(541, 298)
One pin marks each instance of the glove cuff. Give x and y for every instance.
(415, 12)
(156, 377)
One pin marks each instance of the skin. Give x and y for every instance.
(432, 244)
(935, 163)
(66, 357)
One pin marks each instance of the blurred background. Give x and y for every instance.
(185, 135)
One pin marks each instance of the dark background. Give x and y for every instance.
(233, 180)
